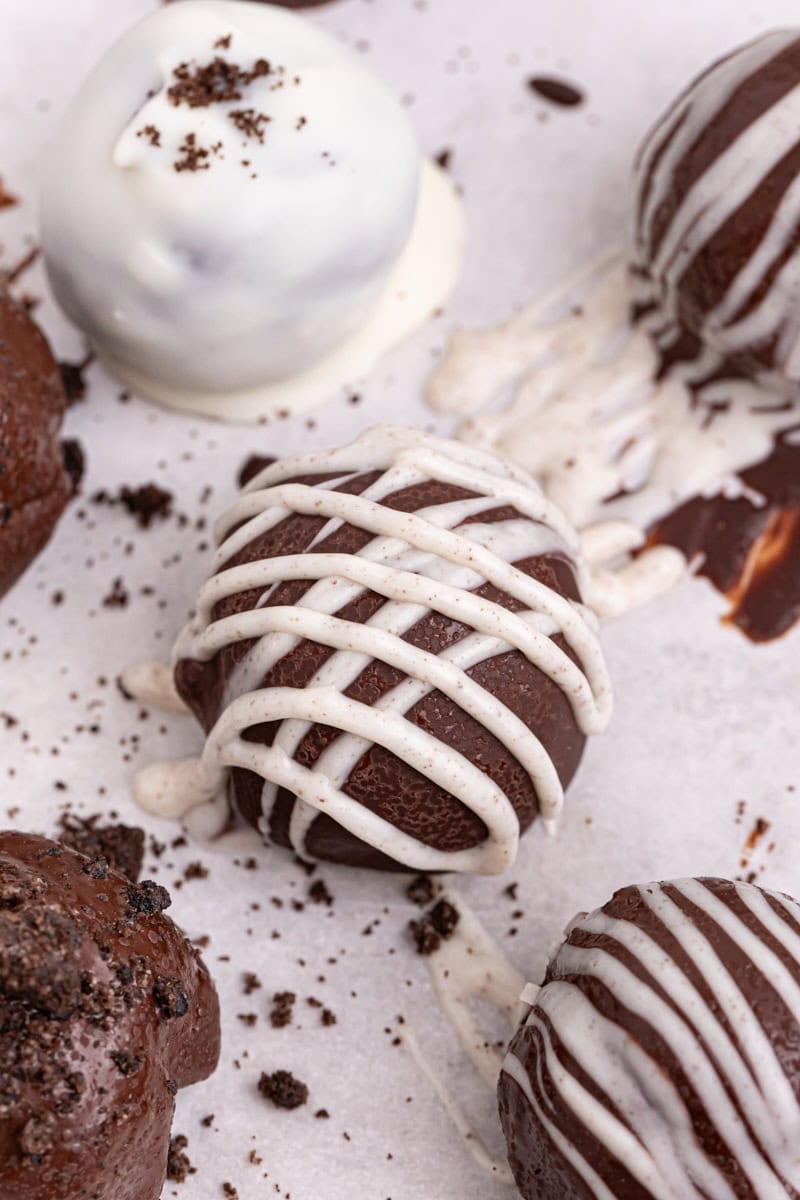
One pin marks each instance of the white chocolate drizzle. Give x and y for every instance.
(469, 965)
(420, 562)
(712, 1025)
(588, 418)
(152, 684)
(759, 303)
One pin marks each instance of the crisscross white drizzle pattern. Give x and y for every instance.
(419, 562)
(708, 971)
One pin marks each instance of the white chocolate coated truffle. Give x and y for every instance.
(234, 201)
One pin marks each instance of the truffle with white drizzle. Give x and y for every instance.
(237, 213)
(659, 1060)
(718, 211)
(391, 659)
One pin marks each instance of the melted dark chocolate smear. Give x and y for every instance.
(750, 553)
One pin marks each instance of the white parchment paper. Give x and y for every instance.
(704, 738)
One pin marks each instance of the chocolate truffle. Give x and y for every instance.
(105, 1011)
(661, 1056)
(392, 657)
(34, 485)
(718, 211)
(345, 238)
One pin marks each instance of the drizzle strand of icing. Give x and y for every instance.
(426, 561)
(697, 969)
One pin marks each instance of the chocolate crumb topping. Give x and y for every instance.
(146, 502)
(37, 1138)
(249, 122)
(215, 82)
(85, 1044)
(73, 378)
(39, 961)
(318, 892)
(283, 1090)
(250, 983)
(118, 596)
(425, 937)
(444, 917)
(170, 997)
(421, 890)
(74, 462)
(148, 897)
(282, 1009)
(195, 157)
(120, 846)
(178, 1165)
(152, 134)
(436, 926)
(126, 1064)
(97, 868)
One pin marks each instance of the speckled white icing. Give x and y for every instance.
(589, 419)
(470, 965)
(710, 1028)
(420, 562)
(285, 265)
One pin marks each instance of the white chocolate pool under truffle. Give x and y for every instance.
(250, 254)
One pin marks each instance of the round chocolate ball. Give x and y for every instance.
(105, 1011)
(717, 242)
(34, 485)
(392, 655)
(661, 1056)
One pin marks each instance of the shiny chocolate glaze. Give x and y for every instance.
(106, 1010)
(34, 486)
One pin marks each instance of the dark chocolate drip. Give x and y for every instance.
(749, 551)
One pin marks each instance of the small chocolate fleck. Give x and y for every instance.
(557, 91)
(178, 1165)
(282, 1009)
(283, 1090)
(74, 462)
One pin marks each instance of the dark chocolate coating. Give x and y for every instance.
(105, 1011)
(706, 277)
(541, 1167)
(34, 486)
(380, 780)
(749, 551)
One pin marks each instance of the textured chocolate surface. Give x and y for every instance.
(105, 1012)
(380, 780)
(34, 485)
(627, 1076)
